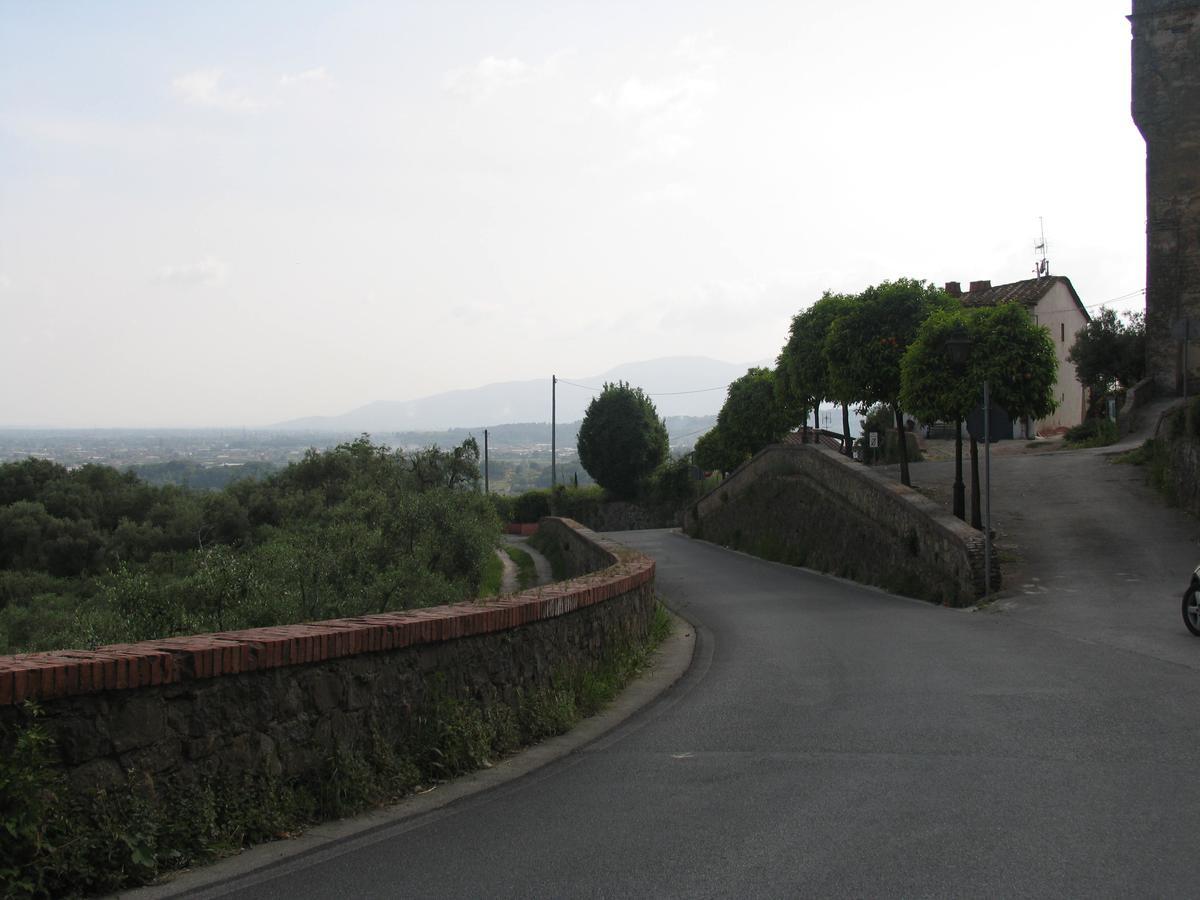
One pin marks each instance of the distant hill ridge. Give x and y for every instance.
(682, 430)
(679, 386)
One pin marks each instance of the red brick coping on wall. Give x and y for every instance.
(63, 673)
(524, 529)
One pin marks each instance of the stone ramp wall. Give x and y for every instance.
(282, 700)
(808, 506)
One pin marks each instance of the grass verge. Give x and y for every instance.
(526, 570)
(493, 576)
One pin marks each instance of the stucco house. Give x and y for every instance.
(1053, 304)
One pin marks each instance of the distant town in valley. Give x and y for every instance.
(210, 458)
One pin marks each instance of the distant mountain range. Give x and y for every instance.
(526, 436)
(679, 386)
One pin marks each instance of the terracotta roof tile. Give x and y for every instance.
(1028, 292)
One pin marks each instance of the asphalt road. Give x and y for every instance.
(832, 740)
(1086, 548)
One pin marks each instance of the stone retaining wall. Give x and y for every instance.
(809, 506)
(282, 701)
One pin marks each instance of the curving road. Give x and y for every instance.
(830, 740)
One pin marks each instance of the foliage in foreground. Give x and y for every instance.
(94, 556)
(55, 844)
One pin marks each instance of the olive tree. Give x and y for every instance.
(1109, 352)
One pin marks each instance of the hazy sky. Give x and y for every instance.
(238, 213)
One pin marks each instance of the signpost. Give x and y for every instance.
(989, 423)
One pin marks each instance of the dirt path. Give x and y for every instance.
(545, 574)
(508, 581)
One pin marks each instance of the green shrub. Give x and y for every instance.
(531, 506)
(94, 556)
(1092, 433)
(504, 505)
(579, 503)
(672, 483)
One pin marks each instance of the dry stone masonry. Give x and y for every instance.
(1166, 108)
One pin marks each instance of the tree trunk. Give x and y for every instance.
(903, 436)
(847, 443)
(976, 514)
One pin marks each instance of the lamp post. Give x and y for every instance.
(958, 349)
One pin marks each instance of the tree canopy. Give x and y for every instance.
(932, 386)
(1110, 352)
(867, 343)
(622, 439)
(713, 455)
(802, 367)
(753, 414)
(1016, 357)
(1006, 348)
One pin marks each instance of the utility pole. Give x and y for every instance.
(486, 484)
(987, 494)
(553, 436)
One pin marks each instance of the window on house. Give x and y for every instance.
(1062, 332)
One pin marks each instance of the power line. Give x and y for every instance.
(690, 433)
(1129, 296)
(597, 390)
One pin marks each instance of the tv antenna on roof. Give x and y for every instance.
(1041, 264)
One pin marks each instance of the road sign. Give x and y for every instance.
(874, 439)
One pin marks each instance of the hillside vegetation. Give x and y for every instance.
(95, 556)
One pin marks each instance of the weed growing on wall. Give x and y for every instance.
(54, 843)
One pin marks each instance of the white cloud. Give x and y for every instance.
(308, 76)
(660, 148)
(203, 88)
(699, 49)
(679, 97)
(486, 77)
(670, 193)
(208, 272)
(490, 74)
(660, 112)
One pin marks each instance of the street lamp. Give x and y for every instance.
(958, 349)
